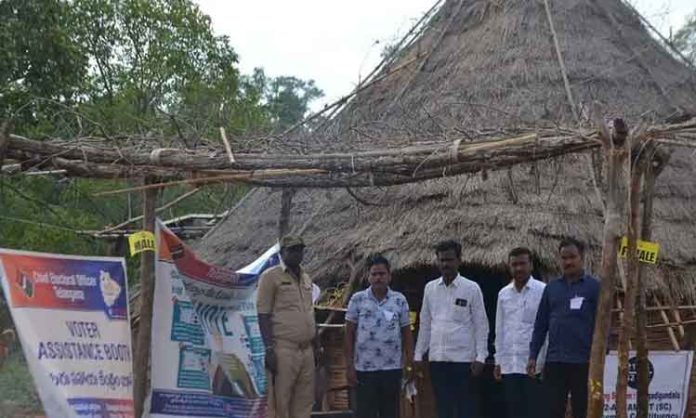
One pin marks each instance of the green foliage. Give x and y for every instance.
(288, 99)
(100, 67)
(155, 58)
(31, 204)
(38, 58)
(151, 68)
(18, 397)
(685, 39)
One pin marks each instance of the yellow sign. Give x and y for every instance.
(647, 251)
(141, 241)
(413, 317)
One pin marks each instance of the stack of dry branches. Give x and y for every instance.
(382, 167)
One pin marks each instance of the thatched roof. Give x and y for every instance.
(479, 65)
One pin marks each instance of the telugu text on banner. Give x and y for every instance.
(670, 374)
(71, 314)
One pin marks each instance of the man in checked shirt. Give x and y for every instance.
(518, 303)
(454, 333)
(378, 331)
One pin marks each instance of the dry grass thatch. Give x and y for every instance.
(484, 64)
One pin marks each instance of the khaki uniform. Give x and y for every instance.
(291, 390)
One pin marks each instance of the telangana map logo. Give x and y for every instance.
(110, 288)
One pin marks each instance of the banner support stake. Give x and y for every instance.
(141, 359)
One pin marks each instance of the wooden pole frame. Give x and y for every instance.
(615, 152)
(637, 165)
(654, 168)
(141, 359)
(428, 157)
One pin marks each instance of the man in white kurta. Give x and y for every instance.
(454, 332)
(518, 303)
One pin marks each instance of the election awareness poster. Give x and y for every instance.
(71, 314)
(207, 348)
(669, 373)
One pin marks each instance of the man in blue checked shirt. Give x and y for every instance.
(567, 315)
(378, 331)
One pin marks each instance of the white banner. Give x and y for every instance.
(670, 373)
(71, 314)
(207, 348)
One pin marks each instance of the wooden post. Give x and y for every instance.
(285, 207)
(614, 146)
(141, 359)
(637, 168)
(653, 169)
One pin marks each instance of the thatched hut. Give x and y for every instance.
(482, 66)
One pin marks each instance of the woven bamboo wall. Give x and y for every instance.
(338, 400)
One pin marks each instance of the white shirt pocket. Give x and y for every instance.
(461, 307)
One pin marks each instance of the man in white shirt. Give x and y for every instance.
(518, 303)
(454, 333)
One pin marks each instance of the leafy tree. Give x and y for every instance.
(159, 58)
(111, 68)
(288, 99)
(38, 58)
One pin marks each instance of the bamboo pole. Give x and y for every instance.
(214, 179)
(642, 354)
(654, 308)
(621, 310)
(678, 320)
(672, 324)
(561, 62)
(615, 152)
(228, 147)
(141, 359)
(636, 169)
(665, 320)
(622, 279)
(158, 210)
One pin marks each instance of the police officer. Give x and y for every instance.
(286, 320)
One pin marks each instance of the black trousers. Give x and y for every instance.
(524, 396)
(491, 394)
(377, 394)
(455, 390)
(562, 379)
